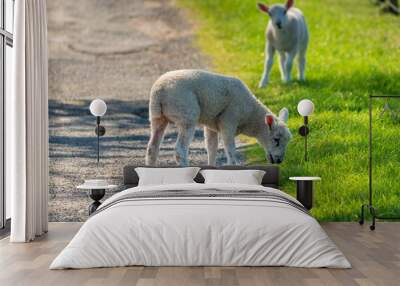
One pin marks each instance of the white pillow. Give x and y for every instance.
(247, 177)
(165, 176)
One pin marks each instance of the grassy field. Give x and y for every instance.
(354, 52)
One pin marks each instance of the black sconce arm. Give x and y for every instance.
(304, 131)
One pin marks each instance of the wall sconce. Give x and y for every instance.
(98, 108)
(305, 109)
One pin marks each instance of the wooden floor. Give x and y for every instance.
(375, 257)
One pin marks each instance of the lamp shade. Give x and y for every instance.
(98, 107)
(305, 107)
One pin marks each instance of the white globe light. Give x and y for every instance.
(98, 107)
(305, 107)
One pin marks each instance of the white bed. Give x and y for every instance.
(185, 230)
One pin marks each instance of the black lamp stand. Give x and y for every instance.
(370, 206)
(304, 131)
(100, 131)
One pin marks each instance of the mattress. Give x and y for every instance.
(201, 225)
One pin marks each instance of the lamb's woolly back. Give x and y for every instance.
(201, 83)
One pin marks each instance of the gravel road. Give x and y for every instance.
(112, 50)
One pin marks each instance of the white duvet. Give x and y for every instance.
(200, 231)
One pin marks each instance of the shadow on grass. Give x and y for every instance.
(337, 92)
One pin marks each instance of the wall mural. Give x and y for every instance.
(118, 50)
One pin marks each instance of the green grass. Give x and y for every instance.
(354, 52)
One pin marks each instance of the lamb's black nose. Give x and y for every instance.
(279, 25)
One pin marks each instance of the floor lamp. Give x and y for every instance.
(370, 205)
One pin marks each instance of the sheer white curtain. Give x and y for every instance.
(27, 123)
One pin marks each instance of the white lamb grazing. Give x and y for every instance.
(286, 33)
(222, 105)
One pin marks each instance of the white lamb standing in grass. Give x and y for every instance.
(286, 33)
(222, 105)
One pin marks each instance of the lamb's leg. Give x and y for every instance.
(282, 63)
(185, 137)
(228, 136)
(269, 60)
(289, 64)
(211, 139)
(302, 65)
(158, 126)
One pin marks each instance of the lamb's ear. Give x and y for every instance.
(284, 115)
(269, 120)
(289, 4)
(263, 8)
